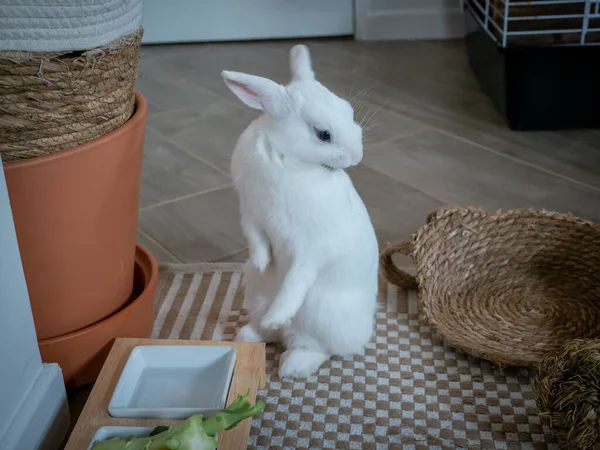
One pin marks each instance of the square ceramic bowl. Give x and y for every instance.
(173, 381)
(104, 433)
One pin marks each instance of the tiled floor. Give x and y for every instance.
(439, 140)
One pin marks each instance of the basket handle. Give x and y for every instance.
(391, 272)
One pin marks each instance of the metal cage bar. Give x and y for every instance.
(498, 19)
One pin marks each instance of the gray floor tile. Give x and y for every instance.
(157, 251)
(588, 137)
(200, 228)
(238, 257)
(380, 124)
(396, 209)
(459, 173)
(169, 89)
(401, 63)
(473, 117)
(153, 109)
(169, 172)
(210, 131)
(203, 64)
(551, 151)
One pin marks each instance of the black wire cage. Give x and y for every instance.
(536, 60)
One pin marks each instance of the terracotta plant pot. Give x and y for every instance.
(81, 354)
(75, 213)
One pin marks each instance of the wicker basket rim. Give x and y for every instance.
(449, 210)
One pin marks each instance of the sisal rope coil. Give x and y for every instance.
(510, 287)
(54, 101)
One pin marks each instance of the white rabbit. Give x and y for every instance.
(311, 280)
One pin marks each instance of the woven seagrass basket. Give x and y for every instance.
(54, 101)
(510, 287)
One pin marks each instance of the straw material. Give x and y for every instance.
(54, 101)
(510, 287)
(567, 386)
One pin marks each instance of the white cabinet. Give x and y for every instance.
(33, 406)
(409, 19)
(231, 20)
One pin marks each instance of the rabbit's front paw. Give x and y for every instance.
(274, 320)
(261, 258)
(249, 333)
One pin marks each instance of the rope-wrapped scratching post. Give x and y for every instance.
(53, 101)
(567, 386)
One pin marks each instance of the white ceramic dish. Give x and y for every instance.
(104, 433)
(173, 381)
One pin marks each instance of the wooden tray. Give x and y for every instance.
(249, 374)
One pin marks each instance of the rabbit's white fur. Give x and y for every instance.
(311, 280)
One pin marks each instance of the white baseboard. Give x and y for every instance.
(43, 419)
(411, 24)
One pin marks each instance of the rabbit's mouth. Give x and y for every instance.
(331, 169)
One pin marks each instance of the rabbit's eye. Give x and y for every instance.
(323, 135)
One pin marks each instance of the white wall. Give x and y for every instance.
(408, 19)
(27, 387)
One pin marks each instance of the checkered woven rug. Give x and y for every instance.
(408, 390)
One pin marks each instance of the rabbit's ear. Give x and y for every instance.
(256, 92)
(300, 63)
